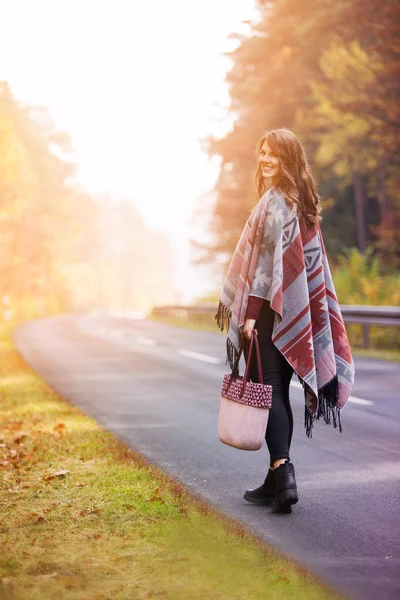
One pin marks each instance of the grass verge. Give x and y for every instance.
(84, 517)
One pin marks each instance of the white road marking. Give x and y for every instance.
(199, 356)
(146, 341)
(216, 361)
(356, 400)
(353, 399)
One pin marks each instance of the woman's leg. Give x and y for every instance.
(280, 421)
(277, 372)
(280, 482)
(287, 377)
(279, 488)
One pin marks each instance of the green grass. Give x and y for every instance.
(84, 517)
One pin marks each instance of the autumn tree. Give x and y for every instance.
(328, 72)
(61, 248)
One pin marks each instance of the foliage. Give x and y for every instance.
(360, 279)
(329, 72)
(62, 249)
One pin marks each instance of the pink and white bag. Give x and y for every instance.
(244, 407)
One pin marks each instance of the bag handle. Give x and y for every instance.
(253, 342)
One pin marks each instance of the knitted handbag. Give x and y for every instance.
(244, 407)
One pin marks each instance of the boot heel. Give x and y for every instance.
(288, 497)
(284, 501)
(286, 488)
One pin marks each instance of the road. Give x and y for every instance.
(157, 388)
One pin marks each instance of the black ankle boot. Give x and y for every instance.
(286, 488)
(264, 494)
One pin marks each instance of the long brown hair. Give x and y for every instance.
(295, 181)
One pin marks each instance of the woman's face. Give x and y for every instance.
(269, 162)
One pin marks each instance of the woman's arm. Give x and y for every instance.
(254, 307)
(252, 314)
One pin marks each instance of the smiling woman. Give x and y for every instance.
(282, 162)
(279, 284)
(269, 163)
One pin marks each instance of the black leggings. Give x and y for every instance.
(277, 372)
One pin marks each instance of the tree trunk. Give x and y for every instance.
(382, 195)
(359, 202)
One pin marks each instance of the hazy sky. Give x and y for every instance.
(137, 84)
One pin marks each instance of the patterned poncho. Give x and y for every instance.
(281, 259)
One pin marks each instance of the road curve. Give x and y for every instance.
(157, 388)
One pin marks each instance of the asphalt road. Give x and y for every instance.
(157, 388)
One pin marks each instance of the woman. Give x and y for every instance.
(279, 283)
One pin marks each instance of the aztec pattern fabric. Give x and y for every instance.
(282, 260)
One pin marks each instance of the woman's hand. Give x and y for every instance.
(248, 328)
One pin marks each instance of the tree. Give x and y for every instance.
(61, 248)
(327, 71)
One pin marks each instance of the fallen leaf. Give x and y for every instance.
(89, 511)
(59, 426)
(155, 498)
(81, 484)
(29, 457)
(94, 536)
(15, 424)
(13, 453)
(62, 473)
(40, 520)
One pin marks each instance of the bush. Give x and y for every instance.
(360, 279)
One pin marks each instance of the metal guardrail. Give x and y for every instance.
(381, 316)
